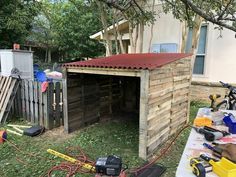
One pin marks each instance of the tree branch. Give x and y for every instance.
(225, 9)
(206, 16)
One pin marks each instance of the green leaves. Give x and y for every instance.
(15, 19)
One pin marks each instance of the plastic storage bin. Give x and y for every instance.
(224, 168)
(230, 122)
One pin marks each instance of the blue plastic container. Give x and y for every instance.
(230, 122)
(41, 76)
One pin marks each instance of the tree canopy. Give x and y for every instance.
(65, 26)
(16, 17)
(219, 12)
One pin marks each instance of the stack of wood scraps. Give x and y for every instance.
(8, 88)
(25, 130)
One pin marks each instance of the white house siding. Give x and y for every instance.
(220, 58)
(220, 53)
(166, 29)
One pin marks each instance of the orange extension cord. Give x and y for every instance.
(71, 169)
(163, 152)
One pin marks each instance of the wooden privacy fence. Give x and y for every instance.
(37, 107)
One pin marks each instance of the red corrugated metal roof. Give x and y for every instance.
(130, 61)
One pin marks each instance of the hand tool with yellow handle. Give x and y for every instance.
(200, 167)
(72, 160)
(223, 167)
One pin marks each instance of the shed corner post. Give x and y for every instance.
(65, 101)
(144, 90)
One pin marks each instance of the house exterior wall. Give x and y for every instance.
(166, 29)
(220, 51)
(200, 91)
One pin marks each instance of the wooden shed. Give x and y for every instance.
(155, 87)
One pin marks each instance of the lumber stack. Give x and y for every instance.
(168, 102)
(8, 89)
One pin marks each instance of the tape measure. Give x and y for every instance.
(200, 167)
(3, 136)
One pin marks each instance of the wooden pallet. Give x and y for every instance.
(8, 88)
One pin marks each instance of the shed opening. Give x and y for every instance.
(99, 98)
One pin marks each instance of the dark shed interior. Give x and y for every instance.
(93, 98)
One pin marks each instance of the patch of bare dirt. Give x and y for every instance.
(57, 135)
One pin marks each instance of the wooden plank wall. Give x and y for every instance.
(83, 100)
(74, 101)
(39, 108)
(110, 92)
(91, 98)
(168, 102)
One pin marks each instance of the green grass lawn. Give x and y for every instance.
(98, 140)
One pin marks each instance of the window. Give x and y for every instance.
(201, 52)
(164, 48)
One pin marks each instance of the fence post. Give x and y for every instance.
(23, 99)
(31, 99)
(65, 103)
(36, 102)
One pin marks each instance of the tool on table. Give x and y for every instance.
(202, 121)
(215, 149)
(209, 133)
(223, 167)
(230, 121)
(27, 130)
(213, 99)
(200, 167)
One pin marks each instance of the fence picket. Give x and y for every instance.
(44, 109)
(23, 108)
(50, 105)
(27, 105)
(57, 104)
(31, 98)
(36, 103)
(41, 115)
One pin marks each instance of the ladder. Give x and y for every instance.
(8, 89)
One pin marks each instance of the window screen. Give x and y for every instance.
(164, 48)
(201, 51)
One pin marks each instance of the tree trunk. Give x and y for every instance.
(120, 38)
(184, 36)
(140, 38)
(136, 38)
(49, 55)
(115, 31)
(195, 38)
(46, 55)
(131, 30)
(103, 14)
(152, 26)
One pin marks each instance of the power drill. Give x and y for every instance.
(200, 167)
(211, 134)
(213, 102)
